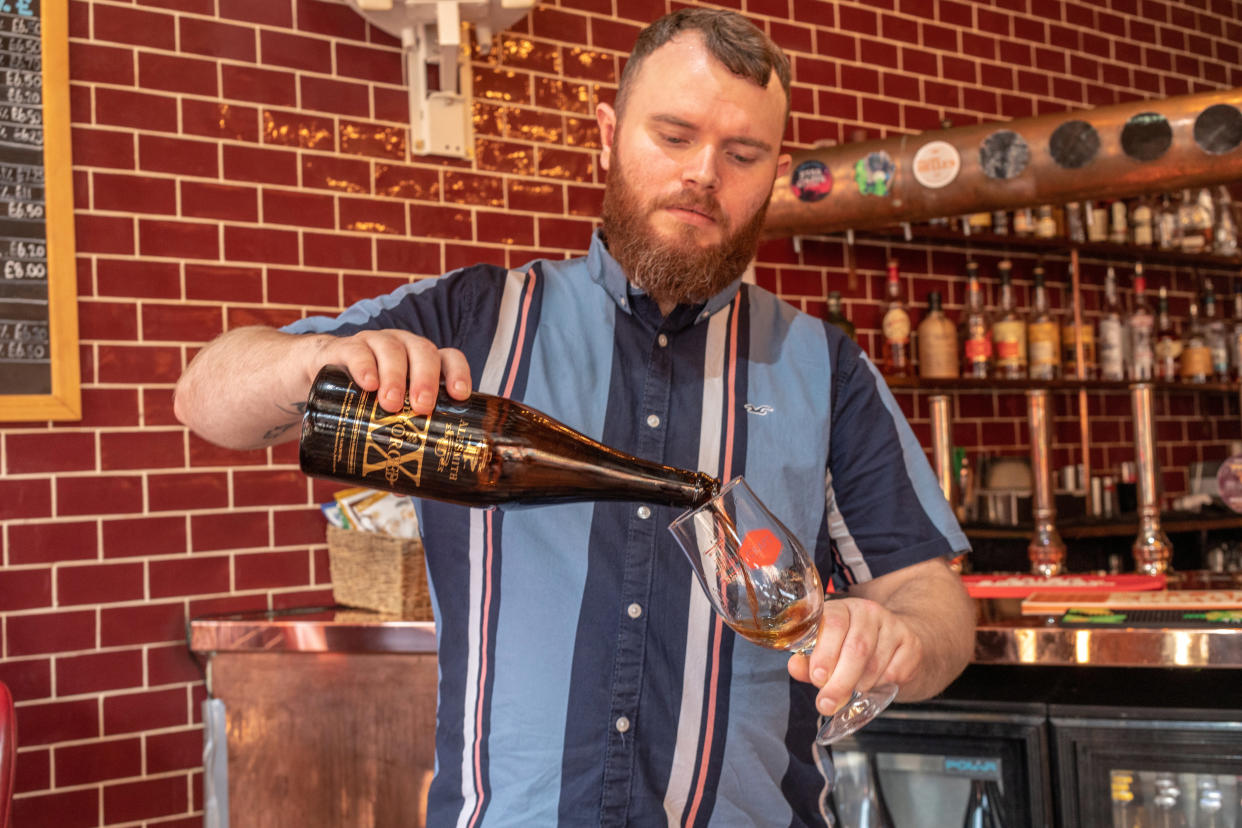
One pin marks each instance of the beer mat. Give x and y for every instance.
(1095, 617)
(1198, 600)
(1020, 586)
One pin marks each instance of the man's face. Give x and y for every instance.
(691, 168)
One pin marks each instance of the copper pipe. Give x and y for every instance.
(942, 451)
(1046, 549)
(1152, 549)
(1084, 434)
(833, 200)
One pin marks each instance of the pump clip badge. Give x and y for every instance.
(874, 173)
(811, 181)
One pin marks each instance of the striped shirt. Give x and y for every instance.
(584, 678)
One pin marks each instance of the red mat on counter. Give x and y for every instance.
(1051, 603)
(1020, 586)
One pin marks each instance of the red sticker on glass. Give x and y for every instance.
(760, 547)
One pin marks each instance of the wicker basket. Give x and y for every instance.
(379, 572)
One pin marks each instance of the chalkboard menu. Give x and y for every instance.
(38, 314)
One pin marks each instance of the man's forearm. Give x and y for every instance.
(247, 388)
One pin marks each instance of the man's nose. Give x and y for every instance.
(702, 167)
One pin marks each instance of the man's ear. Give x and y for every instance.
(606, 116)
(783, 163)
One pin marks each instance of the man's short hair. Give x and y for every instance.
(730, 38)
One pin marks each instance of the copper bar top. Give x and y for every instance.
(1003, 636)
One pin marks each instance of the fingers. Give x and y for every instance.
(396, 363)
(456, 373)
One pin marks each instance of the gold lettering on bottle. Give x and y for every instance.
(395, 445)
(456, 447)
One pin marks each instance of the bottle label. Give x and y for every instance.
(1168, 349)
(1196, 361)
(1043, 343)
(1111, 352)
(1010, 340)
(978, 349)
(896, 326)
(937, 349)
(1142, 353)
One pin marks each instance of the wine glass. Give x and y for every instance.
(764, 585)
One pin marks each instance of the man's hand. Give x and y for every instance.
(913, 628)
(396, 363)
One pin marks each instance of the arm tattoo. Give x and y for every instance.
(295, 410)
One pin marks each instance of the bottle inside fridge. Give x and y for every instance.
(918, 790)
(1169, 799)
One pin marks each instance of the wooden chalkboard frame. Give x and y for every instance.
(64, 402)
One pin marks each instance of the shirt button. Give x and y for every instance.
(644, 512)
(623, 724)
(634, 610)
(663, 340)
(653, 421)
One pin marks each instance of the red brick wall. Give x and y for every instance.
(239, 162)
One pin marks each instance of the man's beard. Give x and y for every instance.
(674, 269)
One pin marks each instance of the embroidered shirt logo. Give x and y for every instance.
(761, 410)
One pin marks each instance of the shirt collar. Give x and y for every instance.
(609, 275)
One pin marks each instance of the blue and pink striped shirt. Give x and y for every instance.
(584, 679)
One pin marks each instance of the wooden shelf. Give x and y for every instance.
(1118, 526)
(1019, 385)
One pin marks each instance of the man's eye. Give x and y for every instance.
(743, 159)
(673, 139)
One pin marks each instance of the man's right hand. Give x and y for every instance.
(396, 363)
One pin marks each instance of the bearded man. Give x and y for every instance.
(584, 679)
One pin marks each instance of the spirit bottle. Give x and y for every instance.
(1141, 218)
(1075, 227)
(1009, 330)
(983, 809)
(1166, 225)
(976, 329)
(1024, 221)
(1112, 333)
(479, 451)
(836, 316)
(1214, 331)
(1119, 224)
(1097, 221)
(1168, 346)
(1045, 222)
(1235, 335)
(895, 325)
(1225, 230)
(1140, 329)
(1043, 335)
(1195, 361)
(937, 342)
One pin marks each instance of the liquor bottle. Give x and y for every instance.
(836, 316)
(1009, 330)
(1195, 362)
(1235, 335)
(1194, 222)
(1096, 216)
(1119, 223)
(1000, 222)
(1168, 346)
(1140, 332)
(1141, 219)
(897, 359)
(937, 342)
(480, 451)
(1075, 226)
(1045, 222)
(1214, 331)
(1166, 226)
(1225, 230)
(1210, 811)
(1074, 336)
(873, 809)
(1112, 333)
(982, 808)
(1024, 222)
(975, 329)
(1043, 335)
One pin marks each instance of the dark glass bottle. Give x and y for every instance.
(983, 810)
(874, 812)
(477, 452)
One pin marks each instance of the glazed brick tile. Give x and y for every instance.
(27, 498)
(35, 454)
(138, 110)
(996, 76)
(1016, 106)
(330, 250)
(949, 12)
(149, 710)
(958, 69)
(133, 26)
(368, 63)
(1176, 86)
(920, 62)
(860, 79)
(838, 105)
(467, 255)
(562, 95)
(179, 750)
(506, 228)
(502, 156)
(68, 809)
(979, 46)
(441, 223)
(534, 196)
(96, 673)
(584, 132)
(187, 491)
(27, 679)
(341, 174)
(190, 576)
(61, 540)
(138, 279)
(306, 287)
(312, 54)
(1066, 89)
(468, 188)
(880, 54)
(191, 76)
(261, 244)
(268, 487)
(102, 148)
(134, 193)
(271, 570)
(129, 537)
(157, 407)
(505, 85)
(25, 589)
(94, 63)
(178, 239)
(399, 181)
(390, 105)
(372, 216)
(229, 530)
(98, 761)
(298, 208)
(858, 20)
(566, 165)
(213, 119)
(942, 94)
(98, 495)
(322, 18)
(107, 320)
(356, 287)
(374, 140)
(273, 318)
(201, 199)
(223, 284)
(264, 86)
(171, 665)
(588, 64)
(49, 632)
(407, 257)
(157, 153)
(264, 166)
(883, 113)
(792, 37)
(296, 129)
(340, 97)
(214, 39)
(145, 623)
(980, 100)
(303, 526)
(148, 449)
(564, 233)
